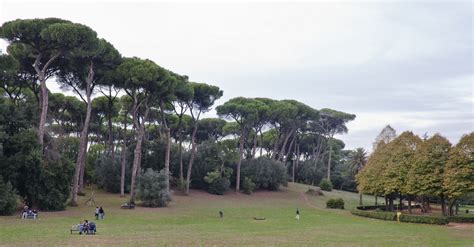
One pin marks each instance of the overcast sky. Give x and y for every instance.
(406, 64)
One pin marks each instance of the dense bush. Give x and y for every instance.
(41, 181)
(460, 219)
(7, 198)
(152, 188)
(314, 192)
(423, 219)
(217, 184)
(375, 214)
(248, 186)
(325, 185)
(335, 203)
(264, 172)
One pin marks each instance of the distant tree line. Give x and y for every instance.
(411, 168)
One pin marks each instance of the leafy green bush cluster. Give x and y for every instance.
(218, 182)
(325, 185)
(375, 214)
(153, 188)
(248, 186)
(335, 203)
(264, 172)
(461, 219)
(7, 198)
(423, 219)
(314, 192)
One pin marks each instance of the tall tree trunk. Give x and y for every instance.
(261, 143)
(123, 161)
(285, 157)
(386, 203)
(180, 151)
(329, 159)
(44, 108)
(283, 147)
(295, 160)
(360, 198)
(167, 154)
(443, 205)
(78, 182)
(191, 159)
(275, 145)
(375, 199)
(41, 73)
(241, 156)
(138, 148)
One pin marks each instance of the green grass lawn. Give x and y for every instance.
(194, 221)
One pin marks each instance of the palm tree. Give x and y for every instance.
(357, 161)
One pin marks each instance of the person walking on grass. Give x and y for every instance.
(96, 213)
(101, 213)
(297, 214)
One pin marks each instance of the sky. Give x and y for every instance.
(404, 63)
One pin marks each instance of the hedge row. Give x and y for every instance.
(460, 219)
(375, 214)
(424, 219)
(371, 207)
(403, 218)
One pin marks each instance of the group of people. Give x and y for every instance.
(99, 213)
(86, 227)
(27, 212)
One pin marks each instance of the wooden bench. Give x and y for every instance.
(75, 228)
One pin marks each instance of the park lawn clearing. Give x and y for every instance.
(194, 221)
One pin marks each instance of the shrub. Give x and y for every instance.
(217, 184)
(423, 219)
(248, 186)
(335, 203)
(153, 188)
(325, 185)
(375, 214)
(460, 219)
(314, 192)
(7, 198)
(264, 172)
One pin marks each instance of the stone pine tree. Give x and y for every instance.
(244, 112)
(333, 122)
(139, 78)
(46, 40)
(203, 99)
(84, 70)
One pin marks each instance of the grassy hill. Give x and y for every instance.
(194, 221)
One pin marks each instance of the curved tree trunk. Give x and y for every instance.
(180, 152)
(167, 154)
(138, 149)
(329, 160)
(41, 73)
(241, 156)
(81, 156)
(123, 161)
(191, 159)
(283, 147)
(285, 157)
